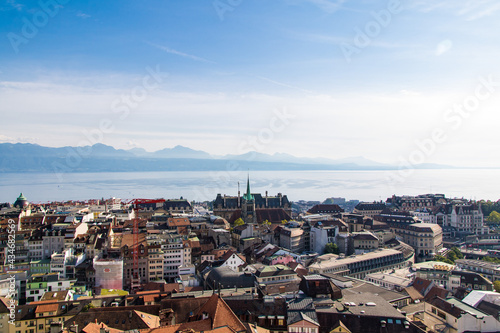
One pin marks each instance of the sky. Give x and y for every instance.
(393, 81)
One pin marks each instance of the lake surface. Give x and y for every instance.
(200, 186)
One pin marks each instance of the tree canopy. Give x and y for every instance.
(239, 222)
(494, 217)
(489, 206)
(491, 259)
(451, 256)
(332, 248)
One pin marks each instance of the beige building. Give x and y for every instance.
(369, 209)
(359, 265)
(155, 259)
(364, 242)
(425, 238)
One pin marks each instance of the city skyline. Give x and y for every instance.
(385, 80)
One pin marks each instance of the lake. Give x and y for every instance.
(200, 186)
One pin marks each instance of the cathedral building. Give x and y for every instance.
(253, 207)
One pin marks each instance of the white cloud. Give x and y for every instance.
(182, 54)
(443, 47)
(469, 10)
(83, 15)
(329, 6)
(379, 126)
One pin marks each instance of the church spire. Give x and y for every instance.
(248, 196)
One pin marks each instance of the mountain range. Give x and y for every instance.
(26, 157)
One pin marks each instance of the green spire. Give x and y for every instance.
(248, 196)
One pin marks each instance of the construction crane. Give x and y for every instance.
(136, 280)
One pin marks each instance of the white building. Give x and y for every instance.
(232, 260)
(109, 273)
(422, 214)
(322, 235)
(53, 242)
(466, 218)
(176, 252)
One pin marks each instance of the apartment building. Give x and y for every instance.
(490, 270)
(176, 252)
(425, 238)
(465, 218)
(369, 209)
(359, 265)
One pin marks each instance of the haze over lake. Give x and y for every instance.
(298, 185)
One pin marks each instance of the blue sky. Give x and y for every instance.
(227, 68)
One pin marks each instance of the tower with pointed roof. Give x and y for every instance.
(248, 206)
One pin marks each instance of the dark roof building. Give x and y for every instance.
(253, 207)
(21, 201)
(325, 209)
(319, 286)
(225, 277)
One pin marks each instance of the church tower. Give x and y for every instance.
(248, 206)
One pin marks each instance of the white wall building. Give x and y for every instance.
(322, 235)
(176, 253)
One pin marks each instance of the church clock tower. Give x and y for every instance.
(248, 206)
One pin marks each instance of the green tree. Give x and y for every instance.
(451, 256)
(496, 285)
(494, 217)
(87, 307)
(443, 259)
(266, 222)
(284, 221)
(332, 248)
(491, 259)
(455, 253)
(239, 222)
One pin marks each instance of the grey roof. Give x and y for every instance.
(296, 316)
(301, 309)
(226, 277)
(368, 288)
(356, 304)
(305, 303)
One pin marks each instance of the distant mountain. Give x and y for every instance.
(181, 152)
(25, 157)
(287, 158)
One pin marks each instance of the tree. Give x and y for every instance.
(87, 307)
(266, 222)
(491, 259)
(494, 217)
(284, 221)
(496, 285)
(443, 259)
(455, 254)
(239, 222)
(332, 248)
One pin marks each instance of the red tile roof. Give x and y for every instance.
(96, 328)
(220, 313)
(47, 308)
